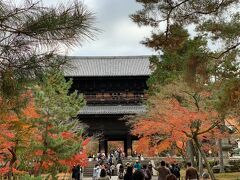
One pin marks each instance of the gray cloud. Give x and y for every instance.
(119, 36)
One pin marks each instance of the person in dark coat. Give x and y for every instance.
(150, 168)
(76, 172)
(138, 175)
(129, 173)
(146, 172)
(175, 169)
(73, 172)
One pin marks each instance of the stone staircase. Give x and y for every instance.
(88, 171)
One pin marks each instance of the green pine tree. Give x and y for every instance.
(59, 136)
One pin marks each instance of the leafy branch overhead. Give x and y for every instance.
(198, 40)
(30, 33)
(208, 17)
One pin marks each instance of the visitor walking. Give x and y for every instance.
(110, 160)
(150, 168)
(138, 175)
(146, 172)
(163, 171)
(171, 177)
(129, 173)
(103, 175)
(118, 166)
(108, 170)
(191, 172)
(74, 175)
(137, 165)
(121, 172)
(175, 169)
(96, 172)
(112, 168)
(205, 176)
(76, 170)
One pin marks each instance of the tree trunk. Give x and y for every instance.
(204, 158)
(12, 161)
(220, 155)
(190, 152)
(200, 163)
(45, 144)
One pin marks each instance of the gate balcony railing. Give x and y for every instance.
(114, 98)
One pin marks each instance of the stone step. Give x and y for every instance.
(88, 172)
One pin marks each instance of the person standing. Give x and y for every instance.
(146, 172)
(205, 176)
(103, 175)
(191, 172)
(108, 169)
(129, 173)
(112, 168)
(150, 168)
(138, 175)
(121, 172)
(163, 171)
(96, 172)
(171, 177)
(137, 165)
(74, 175)
(175, 169)
(78, 171)
(118, 166)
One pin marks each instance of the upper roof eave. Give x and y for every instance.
(107, 66)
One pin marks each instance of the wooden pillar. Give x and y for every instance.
(128, 146)
(103, 145)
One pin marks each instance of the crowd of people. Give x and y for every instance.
(137, 171)
(105, 169)
(106, 166)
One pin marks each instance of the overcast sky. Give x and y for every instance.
(119, 36)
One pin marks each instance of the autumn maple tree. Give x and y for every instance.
(16, 115)
(175, 116)
(198, 41)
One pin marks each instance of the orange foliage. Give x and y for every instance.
(113, 145)
(16, 130)
(169, 124)
(80, 158)
(21, 127)
(30, 111)
(86, 141)
(67, 135)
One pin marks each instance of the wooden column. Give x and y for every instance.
(128, 145)
(103, 145)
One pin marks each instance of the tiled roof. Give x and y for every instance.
(112, 109)
(108, 66)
